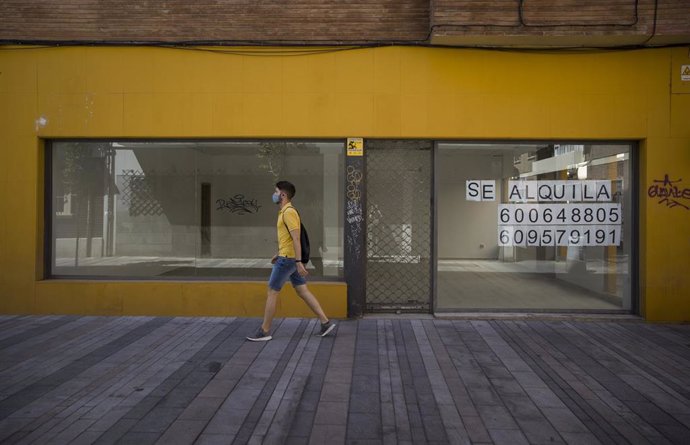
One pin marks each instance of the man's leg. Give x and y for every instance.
(279, 275)
(270, 310)
(311, 301)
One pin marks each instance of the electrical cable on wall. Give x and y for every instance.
(301, 48)
(656, 10)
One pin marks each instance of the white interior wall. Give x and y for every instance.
(466, 229)
(176, 175)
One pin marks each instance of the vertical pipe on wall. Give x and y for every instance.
(355, 234)
(205, 219)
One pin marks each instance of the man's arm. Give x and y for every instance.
(298, 251)
(295, 242)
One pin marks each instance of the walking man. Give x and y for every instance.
(287, 264)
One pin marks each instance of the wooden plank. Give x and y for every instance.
(656, 367)
(364, 408)
(302, 422)
(453, 424)
(335, 393)
(401, 431)
(388, 428)
(101, 381)
(386, 380)
(43, 362)
(577, 416)
(597, 383)
(275, 421)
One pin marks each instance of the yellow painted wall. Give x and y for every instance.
(395, 92)
(180, 298)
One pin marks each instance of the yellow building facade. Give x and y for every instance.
(401, 93)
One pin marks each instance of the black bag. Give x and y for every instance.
(303, 237)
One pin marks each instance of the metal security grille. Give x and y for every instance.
(398, 271)
(138, 193)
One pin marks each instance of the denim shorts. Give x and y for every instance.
(283, 269)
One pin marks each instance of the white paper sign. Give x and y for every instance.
(559, 191)
(559, 235)
(559, 214)
(480, 190)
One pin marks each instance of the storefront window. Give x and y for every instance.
(190, 209)
(534, 227)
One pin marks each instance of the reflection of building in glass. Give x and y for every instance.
(477, 269)
(191, 208)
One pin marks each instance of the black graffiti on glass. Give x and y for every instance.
(669, 192)
(238, 204)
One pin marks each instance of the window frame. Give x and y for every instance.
(635, 272)
(49, 243)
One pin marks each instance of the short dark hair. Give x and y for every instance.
(287, 187)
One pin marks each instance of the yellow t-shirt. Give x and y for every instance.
(290, 217)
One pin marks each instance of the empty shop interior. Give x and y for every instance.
(201, 210)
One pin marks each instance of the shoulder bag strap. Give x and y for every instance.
(300, 218)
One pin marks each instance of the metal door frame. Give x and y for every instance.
(432, 225)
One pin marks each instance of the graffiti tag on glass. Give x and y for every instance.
(670, 193)
(238, 204)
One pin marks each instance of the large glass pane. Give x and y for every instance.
(534, 227)
(239, 224)
(190, 209)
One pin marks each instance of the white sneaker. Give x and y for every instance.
(326, 328)
(260, 336)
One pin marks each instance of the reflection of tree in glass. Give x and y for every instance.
(85, 176)
(273, 155)
(82, 166)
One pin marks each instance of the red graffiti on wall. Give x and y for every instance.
(670, 192)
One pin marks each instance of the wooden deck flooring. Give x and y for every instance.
(196, 380)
